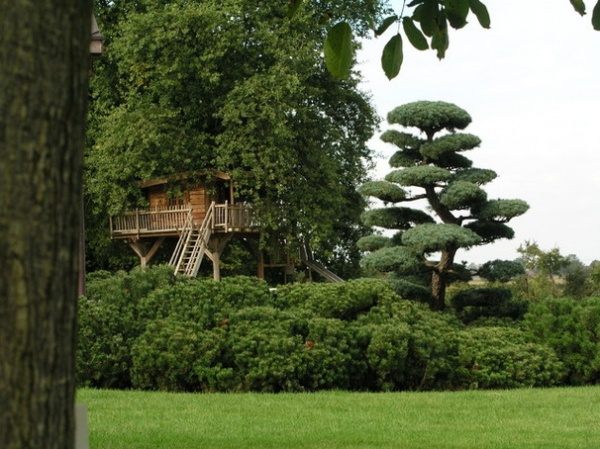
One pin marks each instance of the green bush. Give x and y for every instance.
(344, 301)
(330, 355)
(572, 329)
(267, 354)
(481, 297)
(387, 354)
(179, 356)
(411, 290)
(205, 302)
(476, 304)
(498, 357)
(108, 324)
(150, 330)
(104, 344)
(412, 348)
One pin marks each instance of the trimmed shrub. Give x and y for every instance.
(412, 348)
(572, 329)
(108, 324)
(481, 297)
(387, 354)
(205, 302)
(104, 339)
(475, 304)
(498, 357)
(149, 330)
(179, 356)
(411, 290)
(344, 301)
(330, 355)
(266, 353)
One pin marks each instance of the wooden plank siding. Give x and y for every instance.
(157, 198)
(199, 204)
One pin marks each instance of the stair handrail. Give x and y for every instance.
(186, 232)
(201, 243)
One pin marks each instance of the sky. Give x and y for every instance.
(531, 83)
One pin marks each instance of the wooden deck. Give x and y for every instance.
(164, 222)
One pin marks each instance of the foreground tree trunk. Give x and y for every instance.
(44, 47)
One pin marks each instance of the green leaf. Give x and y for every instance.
(293, 7)
(415, 3)
(579, 6)
(440, 41)
(387, 22)
(414, 35)
(457, 11)
(391, 59)
(427, 15)
(596, 16)
(338, 50)
(481, 12)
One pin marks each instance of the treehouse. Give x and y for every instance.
(203, 214)
(200, 212)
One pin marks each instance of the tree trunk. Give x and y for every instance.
(44, 64)
(438, 291)
(439, 281)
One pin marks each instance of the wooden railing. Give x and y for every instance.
(148, 221)
(234, 216)
(172, 220)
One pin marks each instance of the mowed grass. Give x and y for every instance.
(529, 418)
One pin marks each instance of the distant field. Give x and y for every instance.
(515, 419)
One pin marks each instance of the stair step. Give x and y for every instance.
(190, 251)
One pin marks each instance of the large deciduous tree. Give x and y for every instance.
(44, 68)
(430, 167)
(238, 86)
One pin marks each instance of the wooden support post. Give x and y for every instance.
(141, 249)
(260, 265)
(137, 222)
(214, 257)
(231, 196)
(214, 250)
(150, 254)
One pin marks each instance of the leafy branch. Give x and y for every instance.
(425, 27)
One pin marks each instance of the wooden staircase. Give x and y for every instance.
(192, 244)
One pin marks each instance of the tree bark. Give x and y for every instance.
(439, 281)
(438, 291)
(44, 64)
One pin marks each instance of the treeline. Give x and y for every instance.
(148, 329)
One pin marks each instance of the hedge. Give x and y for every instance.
(150, 330)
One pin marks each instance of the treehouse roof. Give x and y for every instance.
(184, 176)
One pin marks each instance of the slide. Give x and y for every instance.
(307, 258)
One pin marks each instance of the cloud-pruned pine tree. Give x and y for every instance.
(430, 168)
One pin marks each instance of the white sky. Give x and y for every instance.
(531, 83)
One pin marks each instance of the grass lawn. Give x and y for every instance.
(515, 419)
